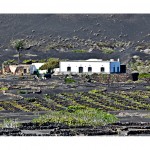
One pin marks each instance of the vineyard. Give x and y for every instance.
(90, 112)
(97, 99)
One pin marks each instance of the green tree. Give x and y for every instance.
(19, 46)
(50, 64)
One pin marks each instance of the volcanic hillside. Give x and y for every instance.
(76, 36)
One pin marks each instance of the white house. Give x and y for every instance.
(36, 66)
(89, 66)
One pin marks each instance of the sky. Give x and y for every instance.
(74, 6)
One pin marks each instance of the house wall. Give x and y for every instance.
(96, 66)
(115, 67)
(6, 69)
(42, 71)
(13, 69)
(35, 67)
(56, 71)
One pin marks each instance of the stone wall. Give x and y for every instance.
(111, 78)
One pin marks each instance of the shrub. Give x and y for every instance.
(139, 81)
(107, 50)
(42, 61)
(79, 51)
(75, 108)
(148, 88)
(129, 81)
(51, 64)
(93, 91)
(69, 80)
(22, 92)
(3, 88)
(30, 99)
(9, 123)
(10, 61)
(28, 61)
(144, 75)
(80, 117)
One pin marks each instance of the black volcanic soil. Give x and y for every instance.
(133, 113)
(45, 28)
(19, 26)
(131, 123)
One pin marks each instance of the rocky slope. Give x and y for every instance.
(58, 35)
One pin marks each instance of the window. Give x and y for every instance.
(80, 69)
(102, 69)
(89, 69)
(68, 69)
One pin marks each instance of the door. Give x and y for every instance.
(25, 70)
(80, 69)
(89, 69)
(102, 69)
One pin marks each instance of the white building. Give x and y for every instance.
(89, 66)
(36, 67)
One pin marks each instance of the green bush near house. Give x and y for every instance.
(28, 61)
(10, 61)
(50, 64)
(42, 60)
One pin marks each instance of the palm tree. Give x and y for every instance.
(19, 46)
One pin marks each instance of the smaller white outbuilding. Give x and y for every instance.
(36, 67)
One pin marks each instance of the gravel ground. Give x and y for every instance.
(133, 116)
(129, 123)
